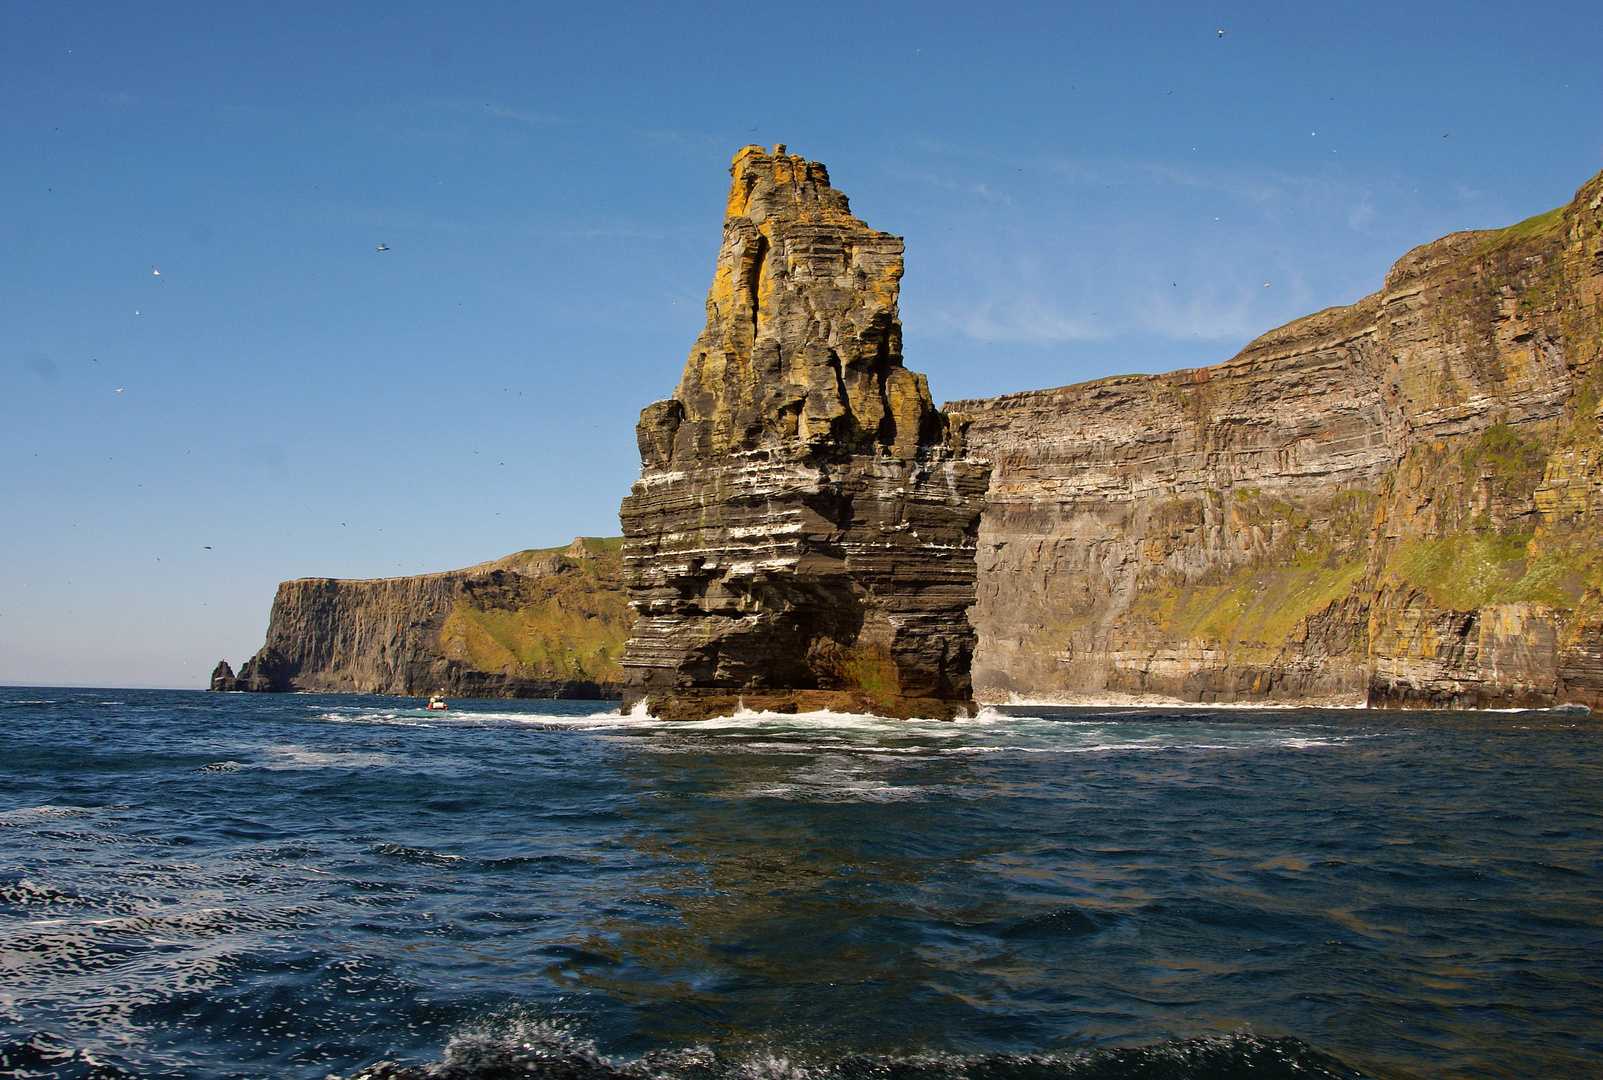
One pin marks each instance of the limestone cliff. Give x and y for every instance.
(547, 623)
(1397, 500)
(803, 531)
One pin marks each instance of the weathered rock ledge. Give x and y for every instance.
(803, 532)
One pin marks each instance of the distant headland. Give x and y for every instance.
(538, 624)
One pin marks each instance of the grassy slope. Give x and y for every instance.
(570, 624)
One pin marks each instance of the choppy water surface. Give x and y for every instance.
(198, 885)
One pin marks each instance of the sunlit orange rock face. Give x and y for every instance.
(803, 532)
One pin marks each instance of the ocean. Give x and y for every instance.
(221, 885)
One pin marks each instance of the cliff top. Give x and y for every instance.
(536, 561)
(1448, 256)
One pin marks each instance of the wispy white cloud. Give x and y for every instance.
(982, 190)
(1209, 318)
(1254, 186)
(1362, 215)
(1027, 320)
(496, 109)
(1232, 306)
(680, 139)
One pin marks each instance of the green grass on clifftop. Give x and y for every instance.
(1529, 229)
(568, 623)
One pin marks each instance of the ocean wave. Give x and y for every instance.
(386, 718)
(45, 1054)
(416, 855)
(98, 944)
(1154, 701)
(22, 892)
(524, 1049)
(33, 813)
(292, 756)
(466, 717)
(844, 792)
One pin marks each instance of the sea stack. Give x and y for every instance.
(803, 532)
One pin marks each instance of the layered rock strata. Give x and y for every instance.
(1395, 501)
(803, 532)
(538, 624)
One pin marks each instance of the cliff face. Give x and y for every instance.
(1396, 500)
(535, 624)
(803, 531)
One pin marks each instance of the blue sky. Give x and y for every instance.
(1084, 189)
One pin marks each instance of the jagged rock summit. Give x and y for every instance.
(803, 532)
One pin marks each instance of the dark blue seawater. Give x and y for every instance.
(197, 885)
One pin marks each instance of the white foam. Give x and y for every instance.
(423, 718)
(24, 813)
(292, 756)
(1160, 702)
(749, 731)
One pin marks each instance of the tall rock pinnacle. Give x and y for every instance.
(803, 532)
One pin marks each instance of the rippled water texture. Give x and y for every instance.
(205, 885)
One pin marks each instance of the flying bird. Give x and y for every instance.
(153, 270)
(1221, 33)
(384, 247)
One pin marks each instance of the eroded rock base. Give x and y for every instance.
(693, 703)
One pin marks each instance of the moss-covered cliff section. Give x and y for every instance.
(1395, 501)
(540, 623)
